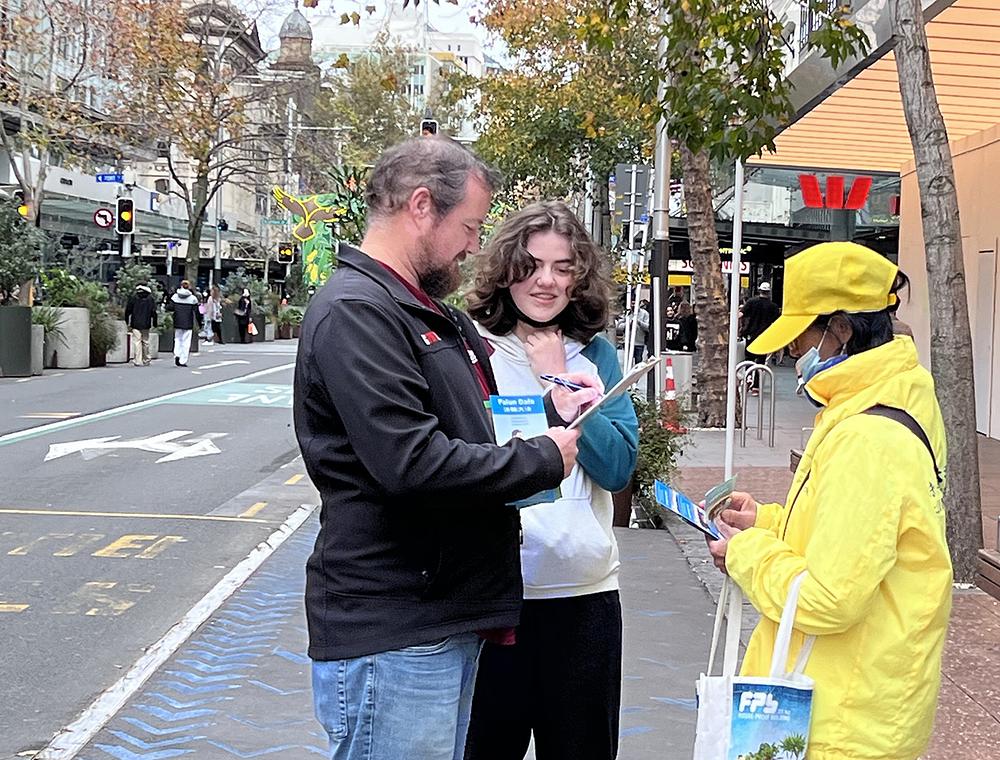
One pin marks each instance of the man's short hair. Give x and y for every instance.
(438, 163)
(186, 284)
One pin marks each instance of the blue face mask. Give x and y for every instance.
(810, 364)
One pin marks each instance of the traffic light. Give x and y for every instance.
(428, 127)
(22, 208)
(125, 218)
(286, 253)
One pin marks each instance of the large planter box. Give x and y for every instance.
(194, 341)
(285, 332)
(37, 349)
(154, 344)
(230, 328)
(73, 350)
(120, 354)
(296, 329)
(15, 341)
(269, 331)
(166, 344)
(261, 335)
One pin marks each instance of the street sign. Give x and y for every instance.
(119, 178)
(631, 190)
(104, 218)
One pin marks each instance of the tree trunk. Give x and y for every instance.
(709, 291)
(951, 338)
(199, 204)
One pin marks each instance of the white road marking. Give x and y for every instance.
(226, 363)
(164, 443)
(135, 406)
(67, 743)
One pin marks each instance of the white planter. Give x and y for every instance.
(119, 355)
(269, 330)
(37, 349)
(154, 344)
(73, 350)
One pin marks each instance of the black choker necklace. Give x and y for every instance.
(522, 317)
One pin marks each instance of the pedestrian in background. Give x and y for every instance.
(213, 313)
(864, 519)
(416, 561)
(140, 316)
(244, 313)
(640, 331)
(541, 300)
(758, 314)
(184, 306)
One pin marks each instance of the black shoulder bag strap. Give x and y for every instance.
(906, 420)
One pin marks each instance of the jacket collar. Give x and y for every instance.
(361, 262)
(862, 371)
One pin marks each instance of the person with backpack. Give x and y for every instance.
(864, 519)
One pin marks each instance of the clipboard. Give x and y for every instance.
(637, 372)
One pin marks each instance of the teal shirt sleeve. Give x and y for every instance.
(609, 442)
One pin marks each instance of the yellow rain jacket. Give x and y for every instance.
(865, 518)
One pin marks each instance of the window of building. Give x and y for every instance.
(162, 186)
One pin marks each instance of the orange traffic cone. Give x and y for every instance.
(669, 408)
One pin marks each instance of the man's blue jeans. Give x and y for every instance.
(408, 704)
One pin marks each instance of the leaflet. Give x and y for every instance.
(518, 417)
(695, 515)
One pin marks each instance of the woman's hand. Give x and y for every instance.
(718, 548)
(546, 352)
(569, 404)
(742, 511)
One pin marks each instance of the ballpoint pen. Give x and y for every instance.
(564, 383)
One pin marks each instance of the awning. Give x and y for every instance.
(861, 126)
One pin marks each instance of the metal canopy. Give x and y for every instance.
(861, 125)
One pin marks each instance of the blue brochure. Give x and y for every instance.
(518, 417)
(691, 513)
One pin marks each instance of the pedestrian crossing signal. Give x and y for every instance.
(125, 218)
(286, 253)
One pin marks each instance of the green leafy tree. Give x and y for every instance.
(794, 745)
(20, 253)
(724, 98)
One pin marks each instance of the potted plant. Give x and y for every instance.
(104, 337)
(166, 331)
(289, 318)
(661, 440)
(20, 255)
(46, 319)
(72, 298)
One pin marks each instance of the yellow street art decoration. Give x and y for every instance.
(312, 216)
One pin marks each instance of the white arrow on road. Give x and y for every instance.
(165, 443)
(226, 363)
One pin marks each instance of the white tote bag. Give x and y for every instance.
(739, 715)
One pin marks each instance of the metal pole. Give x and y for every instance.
(216, 277)
(588, 205)
(734, 310)
(659, 264)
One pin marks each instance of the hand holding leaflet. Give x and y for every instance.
(700, 516)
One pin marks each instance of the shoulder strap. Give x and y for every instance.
(906, 420)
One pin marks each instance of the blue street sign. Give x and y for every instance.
(110, 178)
(644, 218)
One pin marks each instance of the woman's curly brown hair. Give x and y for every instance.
(506, 261)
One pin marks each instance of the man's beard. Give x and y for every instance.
(436, 280)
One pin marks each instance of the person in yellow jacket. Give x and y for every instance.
(864, 517)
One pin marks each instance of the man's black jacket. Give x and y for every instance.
(140, 312)
(417, 538)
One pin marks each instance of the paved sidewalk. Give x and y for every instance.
(240, 686)
(967, 726)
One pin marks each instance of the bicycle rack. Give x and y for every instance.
(749, 369)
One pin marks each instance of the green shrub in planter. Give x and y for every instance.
(661, 440)
(103, 338)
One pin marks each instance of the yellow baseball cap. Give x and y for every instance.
(824, 279)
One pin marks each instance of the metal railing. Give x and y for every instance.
(745, 373)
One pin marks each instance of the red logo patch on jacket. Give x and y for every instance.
(430, 338)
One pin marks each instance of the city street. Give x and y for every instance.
(127, 494)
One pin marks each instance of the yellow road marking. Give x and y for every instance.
(145, 515)
(254, 509)
(294, 479)
(13, 607)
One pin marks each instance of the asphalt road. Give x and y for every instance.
(125, 495)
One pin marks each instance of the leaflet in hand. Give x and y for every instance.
(518, 417)
(694, 514)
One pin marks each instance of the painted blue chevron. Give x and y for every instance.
(275, 689)
(239, 641)
(123, 753)
(251, 753)
(222, 667)
(243, 649)
(181, 705)
(254, 616)
(205, 656)
(172, 716)
(298, 659)
(170, 731)
(146, 746)
(272, 725)
(687, 704)
(184, 688)
(199, 679)
(321, 751)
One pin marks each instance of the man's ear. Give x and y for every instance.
(841, 328)
(421, 205)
